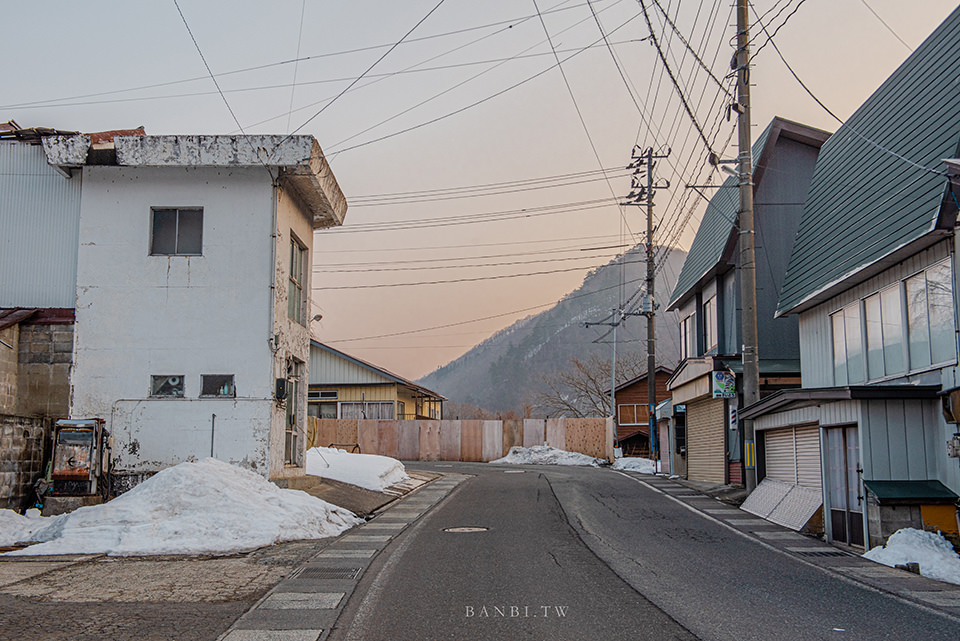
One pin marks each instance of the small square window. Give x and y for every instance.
(167, 385)
(177, 232)
(217, 385)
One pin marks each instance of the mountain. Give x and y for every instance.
(509, 371)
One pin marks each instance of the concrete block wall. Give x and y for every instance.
(45, 354)
(8, 369)
(22, 442)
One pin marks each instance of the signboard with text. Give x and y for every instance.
(724, 385)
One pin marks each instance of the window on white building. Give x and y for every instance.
(710, 324)
(884, 323)
(847, 346)
(176, 232)
(298, 263)
(166, 385)
(217, 385)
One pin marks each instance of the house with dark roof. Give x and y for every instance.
(871, 282)
(707, 299)
(344, 386)
(633, 410)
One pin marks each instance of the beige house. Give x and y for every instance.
(343, 386)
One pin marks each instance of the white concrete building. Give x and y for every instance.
(192, 304)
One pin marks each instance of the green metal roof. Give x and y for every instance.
(865, 203)
(715, 228)
(893, 492)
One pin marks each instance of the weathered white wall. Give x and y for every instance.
(294, 338)
(139, 315)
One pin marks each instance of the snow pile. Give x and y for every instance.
(933, 552)
(369, 471)
(642, 465)
(15, 528)
(546, 455)
(209, 507)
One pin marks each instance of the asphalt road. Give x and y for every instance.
(573, 553)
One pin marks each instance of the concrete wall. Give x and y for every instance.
(294, 336)
(140, 315)
(21, 459)
(45, 355)
(8, 369)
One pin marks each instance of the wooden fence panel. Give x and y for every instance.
(409, 440)
(389, 438)
(492, 447)
(471, 441)
(587, 435)
(429, 440)
(347, 432)
(512, 434)
(556, 432)
(450, 440)
(368, 436)
(533, 432)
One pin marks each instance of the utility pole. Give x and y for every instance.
(748, 277)
(614, 321)
(648, 306)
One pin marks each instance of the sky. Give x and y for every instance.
(481, 146)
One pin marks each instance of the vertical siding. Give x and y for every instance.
(816, 338)
(39, 230)
(706, 452)
(901, 440)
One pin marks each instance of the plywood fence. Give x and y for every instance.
(462, 440)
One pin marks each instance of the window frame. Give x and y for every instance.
(229, 378)
(296, 305)
(153, 385)
(711, 334)
(176, 234)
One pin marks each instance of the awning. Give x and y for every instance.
(911, 492)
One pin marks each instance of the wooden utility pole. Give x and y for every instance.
(748, 277)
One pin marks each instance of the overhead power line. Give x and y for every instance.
(884, 23)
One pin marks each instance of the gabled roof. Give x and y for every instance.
(716, 234)
(660, 369)
(877, 194)
(376, 370)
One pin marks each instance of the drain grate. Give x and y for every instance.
(326, 573)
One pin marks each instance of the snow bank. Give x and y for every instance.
(369, 471)
(642, 465)
(209, 507)
(546, 455)
(933, 552)
(15, 528)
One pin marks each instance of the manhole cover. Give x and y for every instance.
(459, 530)
(326, 573)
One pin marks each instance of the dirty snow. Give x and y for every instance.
(208, 507)
(631, 464)
(14, 528)
(933, 552)
(369, 471)
(546, 455)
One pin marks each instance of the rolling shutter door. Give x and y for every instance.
(706, 447)
(792, 455)
(808, 456)
(779, 455)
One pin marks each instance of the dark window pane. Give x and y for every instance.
(217, 385)
(164, 239)
(166, 385)
(190, 232)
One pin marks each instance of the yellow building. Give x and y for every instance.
(343, 386)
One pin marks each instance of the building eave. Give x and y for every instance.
(790, 398)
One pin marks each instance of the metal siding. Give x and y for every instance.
(39, 230)
(780, 456)
(875, 423)
(915, 453)
(896, 439)
(816, 336)
(329, 369)
(706, 450)
(860, 191)
(786, 418)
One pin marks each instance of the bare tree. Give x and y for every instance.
(580, 390)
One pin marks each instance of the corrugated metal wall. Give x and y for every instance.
(706, 450)
(792, 455)
(39, 230)
(329, 369)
